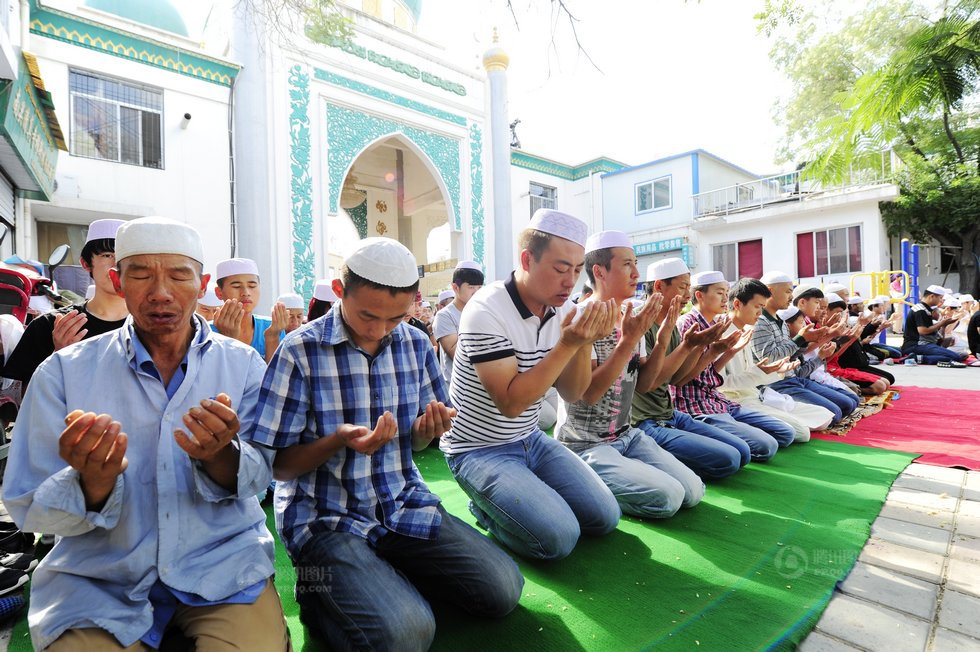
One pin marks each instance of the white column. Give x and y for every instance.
(495, 60)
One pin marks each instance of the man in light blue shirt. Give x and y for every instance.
(127, 448)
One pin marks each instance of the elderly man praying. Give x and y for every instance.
(127, 447)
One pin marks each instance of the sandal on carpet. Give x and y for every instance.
(949, 364)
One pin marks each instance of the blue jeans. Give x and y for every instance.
(810, 391)
(933, 353)
(363, 597)
(535, 495)
(764, 434)
(647, 481)
(711, 453)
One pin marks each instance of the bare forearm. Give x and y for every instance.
(683, 374)
(299, 460)
(650, 370)
(526, 388)
(606, 374)
(672, 363)
(702, 363)
(576, 376)
(223, 469)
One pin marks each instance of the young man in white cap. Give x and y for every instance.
(293, 303)
(888, 354)
(323, 299)
(710, 452)
(839, 289)
(700, 396)
(923, 331)
(208, 305)
(53, 331)
(647, 481)
(344, 403)
(445, 298)
(771, 340)
(145, 472)
(517, 339)
(237, 284)
(748, 381)
(467, 279)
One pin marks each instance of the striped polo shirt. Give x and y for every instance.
(496, 325)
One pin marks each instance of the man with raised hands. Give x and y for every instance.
(133, 449)
(237, 284)
(647, 481)
(710, 452)
(345, 401)
(700, 397)
(771, 340)
(517, 339)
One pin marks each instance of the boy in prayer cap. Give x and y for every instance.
(344, 403)
(700, 395)
(467, 279)
(134, 449)
(293, 303)
(445, 298)
(237, 284)
(647, 481)
(55, 330)
(710, 452)
(517, 339)
(207, 306)
(771, 340)
(748, 381)
(923, 331)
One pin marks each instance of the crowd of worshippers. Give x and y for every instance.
(158, 413)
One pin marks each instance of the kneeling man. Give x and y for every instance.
(148, 486)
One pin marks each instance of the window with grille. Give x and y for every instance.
(542, 196)
(115, 121)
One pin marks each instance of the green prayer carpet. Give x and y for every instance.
(752, 566)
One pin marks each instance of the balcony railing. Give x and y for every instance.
(790, 187)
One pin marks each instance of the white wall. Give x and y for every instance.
(619, 197)
(193, 186)
(777, 226)
(714, 174)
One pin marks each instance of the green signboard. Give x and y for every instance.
(24, 126)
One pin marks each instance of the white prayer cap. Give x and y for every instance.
(607, 240)
(103, 230)
(832, 297)
(90, 292)
(856, 299)
(384, 261)
(291, 300)
(158, 235)
(426, 304)
(707, 278)
(234, 267)
(666, 268)
(878, 300)
(560, 224)
(323, 291)
(800, 289)
(937, 289)
(836, 287)
(952, 303)
(773, 277)
(469, 264)
(967, 298)
(787, 313)
(210, 299)
(446, 294)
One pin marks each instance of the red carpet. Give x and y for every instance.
(941, 424)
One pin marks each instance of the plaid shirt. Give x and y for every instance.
(771, 340)
(700, 396)
(318, 380)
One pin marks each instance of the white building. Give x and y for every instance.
(145, 110)
(717, 215)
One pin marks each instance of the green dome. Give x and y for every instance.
(153, 13)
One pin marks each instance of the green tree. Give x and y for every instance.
(919, 100)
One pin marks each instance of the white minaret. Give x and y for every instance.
(495, 61)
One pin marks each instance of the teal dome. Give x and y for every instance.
(414, 7)
(159, 14)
